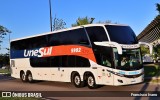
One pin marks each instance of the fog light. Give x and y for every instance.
(120, 81)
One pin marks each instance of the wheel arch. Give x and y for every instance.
(21, 71)
(28, 71)
(86, 74)
(72, 74)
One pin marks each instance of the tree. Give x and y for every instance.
(4, 59)
(3, 32)
(106, 22)
(83, 21)
(157, 49)
(144, 50)
(158, 7)
(58, 24)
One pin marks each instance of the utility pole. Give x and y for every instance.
(50, 7)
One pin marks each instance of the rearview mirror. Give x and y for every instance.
(110, 44)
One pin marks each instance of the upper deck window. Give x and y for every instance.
(77, 36)
(96, 34)
(121, 34)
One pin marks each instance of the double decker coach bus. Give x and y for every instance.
(95, 54)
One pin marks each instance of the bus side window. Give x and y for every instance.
(55, 61)
(64, 62)
(39, 61)
(71, 61)
(82, 62)
(12, 63)
(54, 39)
(105, 61)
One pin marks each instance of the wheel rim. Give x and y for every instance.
(23, 76)
(77, 80)
(30, 77)
(90, 81)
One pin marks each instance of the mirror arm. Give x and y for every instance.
(149, 45)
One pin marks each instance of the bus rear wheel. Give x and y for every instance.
(23, 77)
(77, 81)
(91, 83)
(29, 77)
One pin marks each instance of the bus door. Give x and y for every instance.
(63, 72)
(106, 70)
(55, 63)
(59, 64)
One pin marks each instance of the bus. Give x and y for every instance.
(88, 55)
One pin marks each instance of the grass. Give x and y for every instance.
(16, 98)
(152, 70)
(4, 71)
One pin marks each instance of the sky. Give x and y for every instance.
(31, 17)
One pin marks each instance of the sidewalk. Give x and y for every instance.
(3, 73)
(152, 80)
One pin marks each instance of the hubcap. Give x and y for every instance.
(30, 77)
(23, 76)
(77, 80)
(90, 81)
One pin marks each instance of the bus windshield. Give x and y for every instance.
(121, 34)
(129, 60)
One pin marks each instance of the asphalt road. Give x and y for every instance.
(67, 89)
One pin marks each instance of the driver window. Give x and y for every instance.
(105, 61)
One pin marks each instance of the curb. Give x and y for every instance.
(152, 78)
(3, 73)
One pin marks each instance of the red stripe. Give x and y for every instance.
(77, 50)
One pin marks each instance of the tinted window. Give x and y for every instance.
(20, 44)
(40, 62)
(72, 61)
(60, 61)
(121, 34)
(55, 61)
(82, 62)
(104, 56)
(75, 61)
(97, 34)
(54, 39)
(77, 36)
(64, 62)
(38, 42)
(30, 43)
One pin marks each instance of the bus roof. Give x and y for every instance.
(67, 29)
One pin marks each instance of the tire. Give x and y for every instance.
(29, 77)
(23, 77)
(91, 83)
(77, 81)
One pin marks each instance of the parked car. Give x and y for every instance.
(4, 67)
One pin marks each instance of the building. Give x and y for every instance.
(151, 34)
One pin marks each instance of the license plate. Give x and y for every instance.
(133, 81)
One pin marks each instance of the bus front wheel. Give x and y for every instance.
(91, 82)
(77, 81)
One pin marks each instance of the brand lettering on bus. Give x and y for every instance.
(73, 50)
(38, 52)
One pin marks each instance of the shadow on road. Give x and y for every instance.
(6, 77)
(144, 88)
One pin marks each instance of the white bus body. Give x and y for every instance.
(78, 55)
